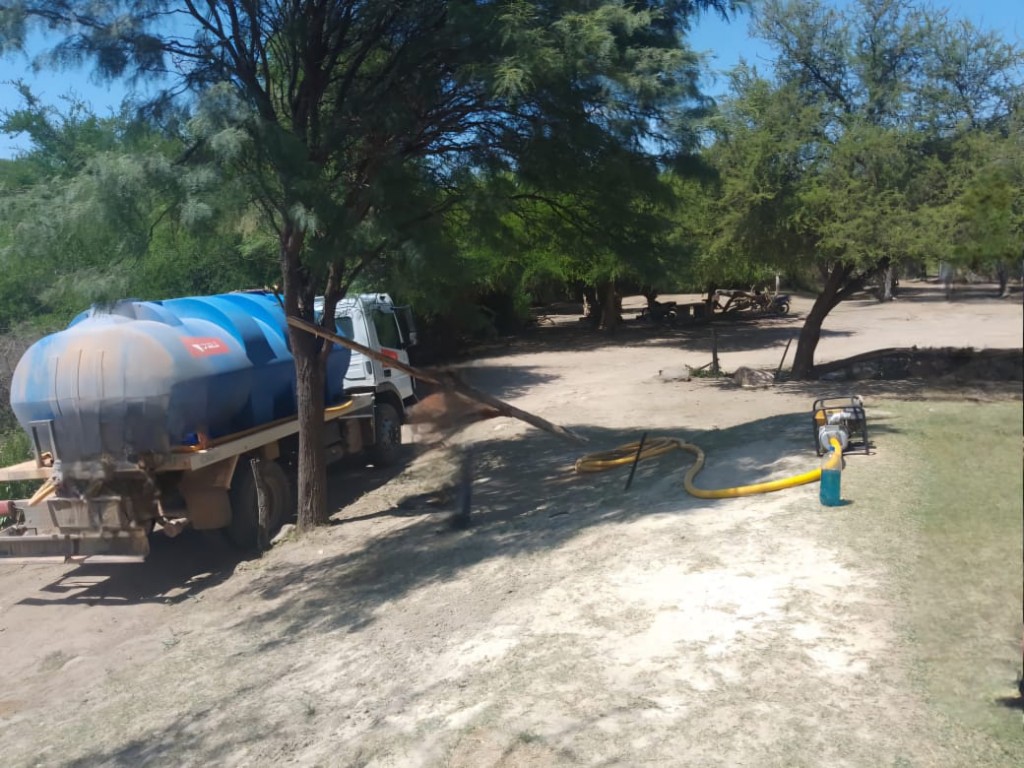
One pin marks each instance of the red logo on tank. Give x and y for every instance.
(205, 346)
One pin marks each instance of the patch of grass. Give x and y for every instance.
(951, 494)
(15, 447)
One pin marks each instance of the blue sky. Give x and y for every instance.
(727, 42)
(724, 42)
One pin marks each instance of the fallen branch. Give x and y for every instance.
(445, 380)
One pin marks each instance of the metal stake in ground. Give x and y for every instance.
(778, 371)
(464, 491)
(636, 460)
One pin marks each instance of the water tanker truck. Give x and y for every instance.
(149, 415)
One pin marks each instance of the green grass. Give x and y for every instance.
(945, 509)
(15, 448)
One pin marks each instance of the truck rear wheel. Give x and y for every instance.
(243, 531)
(387, 436)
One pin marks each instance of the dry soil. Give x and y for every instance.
(574, 623)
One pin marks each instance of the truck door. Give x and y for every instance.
(360, 371)
(393, 343)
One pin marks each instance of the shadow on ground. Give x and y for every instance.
(1011, 702)
(737, 333)
(921, 291)
(905, 389)
(175, 570)
(187, 735)
(526, 499)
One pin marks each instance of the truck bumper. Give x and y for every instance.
(66, 530)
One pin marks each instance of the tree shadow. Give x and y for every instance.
(928, 292)
(176, 570)
(504, 381)
(194, 561)
(744, 335)
(187, 735)
(1011, 702)
(736, 333)
(904, 389)
(526, 499)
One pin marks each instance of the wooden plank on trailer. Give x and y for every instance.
(26, 470)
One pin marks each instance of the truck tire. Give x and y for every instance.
(387, 436)
(243, 531)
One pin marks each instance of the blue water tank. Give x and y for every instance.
(145, 376)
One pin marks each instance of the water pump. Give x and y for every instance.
(842, 419)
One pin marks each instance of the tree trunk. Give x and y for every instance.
(309, 389)
(810, 334)
(591, 306)
(888, 278)
(1003, 275)
(709, 302)
(609, 307)
(310, 366)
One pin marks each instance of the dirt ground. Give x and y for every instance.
(574, 623)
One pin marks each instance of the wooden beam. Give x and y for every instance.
(445, 380)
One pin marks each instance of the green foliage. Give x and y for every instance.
(983, 221)
(356, 127)
(14, 449)
(101, 209)
(887, 134)
(850, 153)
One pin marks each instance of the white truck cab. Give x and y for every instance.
(373, 320)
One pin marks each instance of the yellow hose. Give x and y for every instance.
(46, 490)
(626, 454)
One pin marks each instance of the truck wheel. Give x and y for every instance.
(243, 531)
(387, 436)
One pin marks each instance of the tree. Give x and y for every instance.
(829, 165)
(100, 208)
(983, 222)
(355, 124)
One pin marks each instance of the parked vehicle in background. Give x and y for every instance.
(726, 301)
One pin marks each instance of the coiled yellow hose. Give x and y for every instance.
(658, 446)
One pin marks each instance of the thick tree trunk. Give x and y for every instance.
(888, 281)
(591, 306)
(709, 302)
(309, 389)
(831, 294)
(1003, 276)
(310, 364)
(610, 308)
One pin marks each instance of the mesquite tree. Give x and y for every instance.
(843, 163)
(355, 123)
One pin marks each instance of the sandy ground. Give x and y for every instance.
(574, 624)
